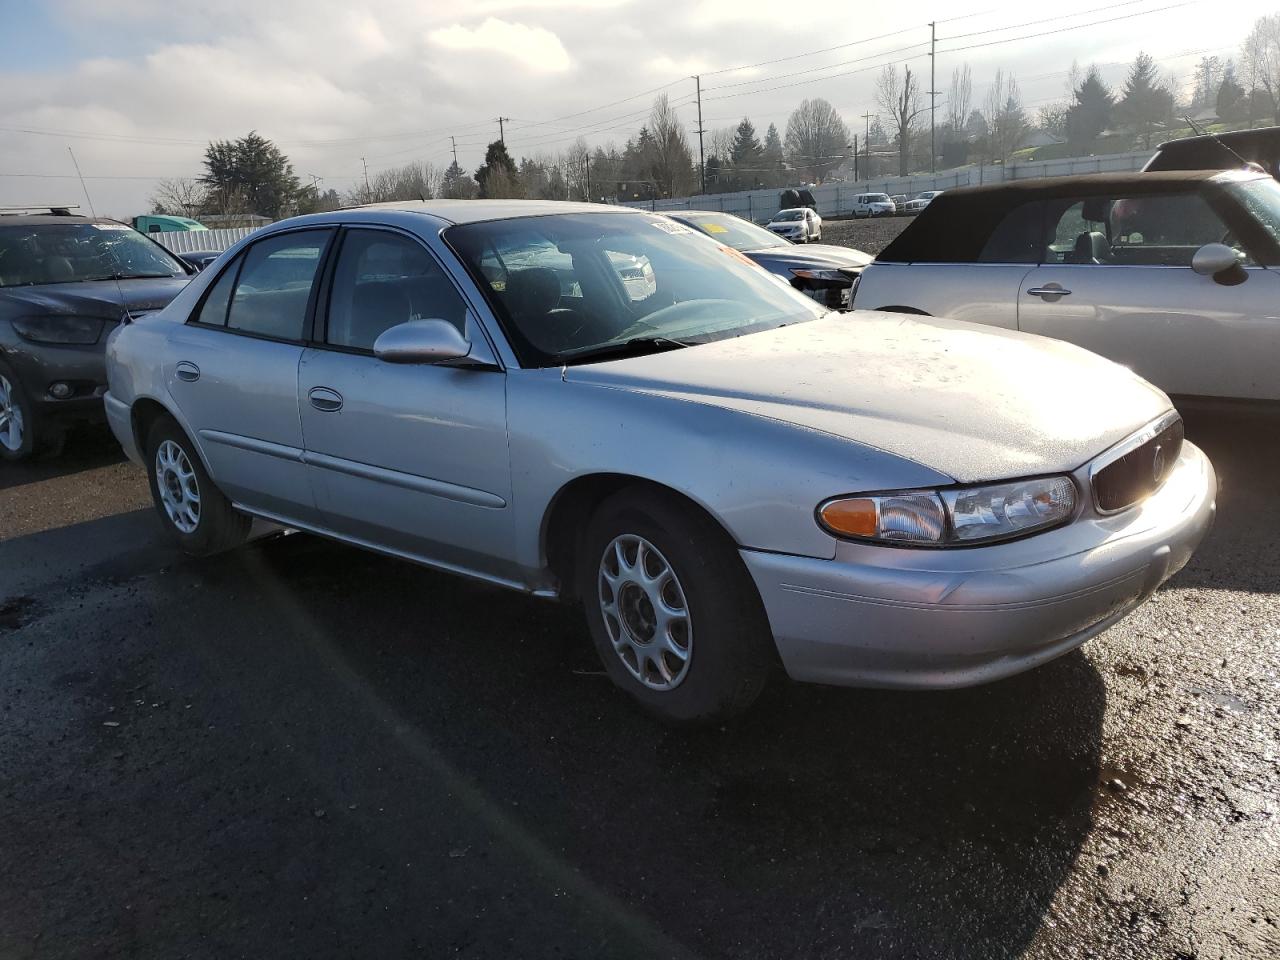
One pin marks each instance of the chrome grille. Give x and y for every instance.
(1132, 471)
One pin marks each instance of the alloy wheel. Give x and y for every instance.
(179, 489)
(12, 428)
(645, 612)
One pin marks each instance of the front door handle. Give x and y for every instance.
(1052, 292)
(325, 400)
(188, 371)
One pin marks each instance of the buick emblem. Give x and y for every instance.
(1158, 464)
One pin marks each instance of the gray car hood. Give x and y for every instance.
(972, 402)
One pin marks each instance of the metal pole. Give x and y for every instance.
(933, 96)
(702, 163)
(366, 173)
(501, 131)
(867, 143)
(586, 163)
(453, 141)
(855, 158)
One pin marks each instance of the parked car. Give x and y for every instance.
(824, 272)
(1221, 151)
(873, 205)
(199, 259)
(1171, 274)
(799, 225)
(724, 474)
(919, 202)
(65, 282)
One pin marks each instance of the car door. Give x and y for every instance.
(232, 370)
(1118, 281)
(408, 457)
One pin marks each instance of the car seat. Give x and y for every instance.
(1091, 247)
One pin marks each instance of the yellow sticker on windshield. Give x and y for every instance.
(714, 228)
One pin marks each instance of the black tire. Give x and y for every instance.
(219, 526)
(731, 651)
(30, 435)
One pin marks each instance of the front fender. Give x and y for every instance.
(760, 478)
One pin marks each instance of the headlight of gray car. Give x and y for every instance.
(952, 516)
(82, 330)
(833, 275)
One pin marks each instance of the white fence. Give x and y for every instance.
(836, 199)
(189, 241)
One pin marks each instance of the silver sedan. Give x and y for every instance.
(584, 402)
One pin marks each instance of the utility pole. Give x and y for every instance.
(933, 96)
(866, 145)
(586, 167)
(501, 134)
(702, 163)
(454, 142)
(366, 173)
(855, 158)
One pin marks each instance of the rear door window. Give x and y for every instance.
(1017, 238)
(274, 288)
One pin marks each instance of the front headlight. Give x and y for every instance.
(82, 330)
(952, 516)
(835, 275)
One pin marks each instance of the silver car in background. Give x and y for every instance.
(578, 401)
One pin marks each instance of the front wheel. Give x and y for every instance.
(673, 612)
(17, 419)
(194, 512)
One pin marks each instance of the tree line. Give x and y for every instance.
(252, 175)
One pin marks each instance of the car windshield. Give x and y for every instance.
(1261, 198)
(788, 215)
(734, 231)
(878, 197)
(572, 288)
(45, 253)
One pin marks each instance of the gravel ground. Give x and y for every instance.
(869, 236)
(302, 750)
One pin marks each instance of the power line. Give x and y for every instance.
(1078, 26)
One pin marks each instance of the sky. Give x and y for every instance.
(137, 88)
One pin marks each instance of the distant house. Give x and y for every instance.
(1039, 138)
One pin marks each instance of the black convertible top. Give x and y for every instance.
(956, 224)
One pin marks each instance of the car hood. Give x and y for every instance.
(811, 255)
(96, 298)
(972, 402)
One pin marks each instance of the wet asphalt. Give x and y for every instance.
(303, 750)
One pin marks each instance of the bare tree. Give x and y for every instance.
(1006, 119)
(817, 140)
(673, 167)
(959, 98)
(413, 181)
(899, 96)
(181, 197)
(1261, 56)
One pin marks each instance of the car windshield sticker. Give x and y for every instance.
(110, 226)
(714, 228)
(670, 226)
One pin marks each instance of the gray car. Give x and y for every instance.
(578, 401)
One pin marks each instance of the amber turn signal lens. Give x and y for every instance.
(855, 517)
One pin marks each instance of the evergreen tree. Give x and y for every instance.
(1232, 102)
(498, 176)
(457, 184)
(1146, 103)
(1090, 114)
(747, 156)
(251, 172)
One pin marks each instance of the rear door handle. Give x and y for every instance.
(325, 400)
(1050, 291)
(188, 371)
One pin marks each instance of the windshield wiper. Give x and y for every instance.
(631, 347)
(135, 276)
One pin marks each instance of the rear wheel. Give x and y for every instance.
(673, 612)
(193, 511)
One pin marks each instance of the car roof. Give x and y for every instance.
(677, 214)
(33, 219)
(477, 211)
(792, 210)
(956, 219)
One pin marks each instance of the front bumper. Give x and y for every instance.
(120, 419)
(932, 619)
(81, 367)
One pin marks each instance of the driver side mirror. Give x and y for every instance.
(1219, 261)
(421, 341)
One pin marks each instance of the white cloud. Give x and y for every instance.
(536, 47)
